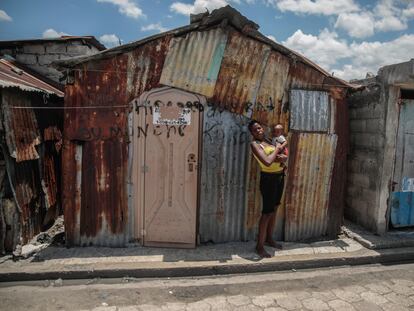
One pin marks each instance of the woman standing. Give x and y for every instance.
(271, 184)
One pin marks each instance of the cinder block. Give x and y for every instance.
(362, 140)
(377, 142)
(353, 191)
(6, 52)
(370, 196)
(375, 125)
(359, 179)
(56, 48)
(27, 59)
(47, 59)
(34, 49)
(78, 49)
(358, 125)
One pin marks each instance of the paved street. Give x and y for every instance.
(373, 287)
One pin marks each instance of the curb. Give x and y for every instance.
(363, 257)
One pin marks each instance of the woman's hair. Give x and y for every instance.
(251, 123)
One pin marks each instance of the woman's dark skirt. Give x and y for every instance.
(271, 187)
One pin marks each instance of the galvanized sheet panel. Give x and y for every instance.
(241, 72)
(268, 108)
(309, 111)
(226, 143)
(308, 185)
(193, 62)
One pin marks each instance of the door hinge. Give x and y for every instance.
(144, 169)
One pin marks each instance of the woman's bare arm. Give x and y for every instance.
(262, 156)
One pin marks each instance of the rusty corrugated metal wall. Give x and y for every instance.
(308, 185)
(29, 198)
(96, 142)
(252, 81)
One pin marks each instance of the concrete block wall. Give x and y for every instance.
(39, 57)
(365, 160)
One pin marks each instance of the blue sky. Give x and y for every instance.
(348, 37)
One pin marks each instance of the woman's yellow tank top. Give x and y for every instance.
(275, 167)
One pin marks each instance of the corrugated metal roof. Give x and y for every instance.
(223, 177)
(22, 133)
(309, 111)
(240, 74)
(226, 14)
(193, 62)
(13, 76)
(309, 183)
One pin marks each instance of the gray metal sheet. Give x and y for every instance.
(309, 111)
(193, 62)
(223, 177)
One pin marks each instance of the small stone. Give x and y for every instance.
(289, 303)
(340, 305)
(263, 301)
(378, 288)
(373, 297)
(315, 304)
(239, 300)
(58, 282)
(399, 299)
(198, 306)
(249, 307)
(364, 305)
(347, 295)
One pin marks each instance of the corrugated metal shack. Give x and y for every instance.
(156, 147)
(31, 141)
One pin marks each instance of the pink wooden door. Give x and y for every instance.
(170, 172)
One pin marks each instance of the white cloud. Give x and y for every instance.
(152, 27)
(199, 6)
(272, 38)
(109, 40)
(320, 7)
(358, 25)
(328, 50)
(408, 12)
(51, 33)
(387, 15)
(4, 17)
(325, 49)
(127, 7)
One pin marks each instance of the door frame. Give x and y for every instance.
(139, 116)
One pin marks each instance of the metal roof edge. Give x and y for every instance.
(37, 83)
(90, 39)
(224, 16)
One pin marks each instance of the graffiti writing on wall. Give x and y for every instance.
(148, 108)
(115, 132)
(213, 128)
